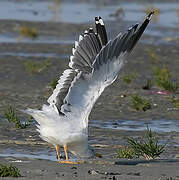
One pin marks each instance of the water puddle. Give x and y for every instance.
(12, 38)
(27, 55)
(28, 152)
(156, 37)
(25, 153)
(30, 156)
(133, 125)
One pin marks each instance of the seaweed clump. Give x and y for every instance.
(9, 171)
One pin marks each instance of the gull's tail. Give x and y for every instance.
(46, 116)
(36, 114)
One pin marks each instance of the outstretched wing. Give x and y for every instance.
(88, 85)
(82, 59)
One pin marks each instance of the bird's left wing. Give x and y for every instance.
(87, 87)
(82, 59)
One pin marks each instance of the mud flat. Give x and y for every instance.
(45, 169)
(37, 160)
(112, 119)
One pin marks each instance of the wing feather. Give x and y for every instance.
(101, 30)
(85, 52)
(83, 56)
(87, 87)
(62, 88)
(95, 65)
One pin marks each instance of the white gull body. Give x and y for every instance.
(94, 65)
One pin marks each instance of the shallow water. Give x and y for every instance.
(38, 154)
(30, 156)
(12, 38)
(24, 54)
(133, 125)
(80, 12)
(159, 126)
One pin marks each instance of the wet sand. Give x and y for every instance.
(44, 169)
(37, 159)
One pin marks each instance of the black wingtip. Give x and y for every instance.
(96, 19)
(101, 31)
(90, 30)
(140, 31)
(150, 15)
(99, 20)
(135, 26)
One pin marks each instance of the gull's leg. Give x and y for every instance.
(66, 155)
(58, 154)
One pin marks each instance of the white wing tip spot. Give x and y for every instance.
(101, 22)
(73, 51)
(71, 58)
(86, 31)
(80, 37)
(71, 64)
(76, 44)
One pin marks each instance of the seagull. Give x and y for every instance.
(95, 64)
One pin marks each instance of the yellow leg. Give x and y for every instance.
(67, 158)
(66, 155)
(58, 154)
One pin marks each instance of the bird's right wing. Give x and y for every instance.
(87, 87)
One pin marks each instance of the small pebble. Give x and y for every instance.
(113, 178)
(112, 173)
(93, 172)
(134, 174)
(123, 95)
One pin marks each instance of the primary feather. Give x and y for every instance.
(95, 64)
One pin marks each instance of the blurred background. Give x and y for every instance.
(84, 11)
